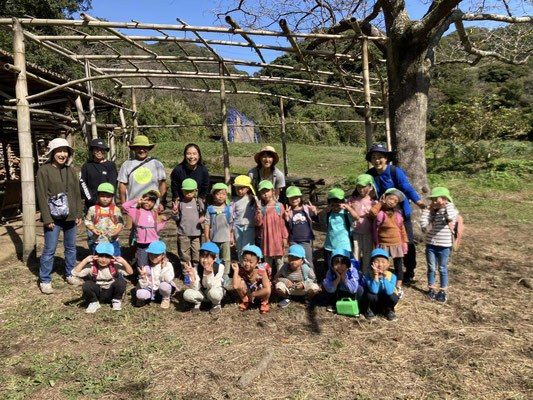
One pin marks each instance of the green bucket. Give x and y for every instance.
(348, 306)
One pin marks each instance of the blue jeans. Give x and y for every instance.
(51, 237)
(437, 255)
(244, 236)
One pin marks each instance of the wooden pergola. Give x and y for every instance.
(125, 66)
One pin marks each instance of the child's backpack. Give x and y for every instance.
(380, 218)
(198, 208)
(145, 228)
(278, 208)
(98, 214)
(200, 271)
(112, 269)
(212, 211)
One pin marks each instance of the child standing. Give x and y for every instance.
(362, 200)
(438, 221)
(271, 225)
(389, 232)
(295, 278)
(218, 224)
(104, 219)
(206, 280)
(156, 281)
(338, 218)
(252, 279)
(106, 285)
(189, 213)
(299, 218)
(145, 223)
(244, 206)
(381, 294)
(342, 279)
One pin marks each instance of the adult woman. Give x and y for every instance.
(191, 167)
(266, 160)
(96, 171)
(387, 176)
(57, 186)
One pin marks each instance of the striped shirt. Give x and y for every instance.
(435, 224)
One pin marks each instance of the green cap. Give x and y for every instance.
(265, 185)
(336, 193)
(293, 191)
(152, 191)
(396, 192)
(441, 192)
(106, 188)
(219, 186)
(365, 180)
(141, 141)
(189, 184)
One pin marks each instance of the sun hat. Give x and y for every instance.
(105, 248)
(219, 186)
(396, 192)
(99, 143)
(56, 144)
(211, 247)
(265, 185)
(189, 184)
(293, 191)
(106, 188)
(297, 251)
(244, 180)
(158, 247)
(141, 141)
(266, 149)
(365, 180)
(152, 191)
(379, 148)
(252, 248)
(379, 253)
(441, 192)
(336, 193)
(341, 252)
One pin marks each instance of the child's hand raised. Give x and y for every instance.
(142, 272)
(235, 267)
(163, 218)
(312, 207)
(287, 214)
(175, 205)
(89, 259)
(120, 260)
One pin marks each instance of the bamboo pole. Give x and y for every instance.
(224, 116)
(42, 112)
(27, 182)
(283, 138)
(92, 110)
(294, 44)
(111, 139)
(134, 108)
(368, 114)
(153, 126)
(81, 117)
(235, 25)
(123, 124)
(386, 117)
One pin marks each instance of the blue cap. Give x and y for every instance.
(254, 250)
(157, 248)
(379, 148)
(210, 246)
(105, 248)
(379, 253)
(297, 251)
(341, 252)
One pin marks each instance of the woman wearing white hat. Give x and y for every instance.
(266, 160)
(58, 194)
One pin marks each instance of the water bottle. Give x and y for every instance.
(187, 280)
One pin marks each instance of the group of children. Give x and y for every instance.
(363, 233)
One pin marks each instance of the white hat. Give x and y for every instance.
(57, 143)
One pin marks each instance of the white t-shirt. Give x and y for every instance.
(143, 178)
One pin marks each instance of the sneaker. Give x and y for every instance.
(116, 305)
(196, 309)
(215, 310)
(139, 302)
(431, 294)
(92, 307)
(407, 280)
(442, 297)
(46, 288)
(391, 315)
(369, 315)
(243, 306)
(284, 303)
(400, 292)
(72, 280)
(331, 308)
(264, 309)
(165, 303)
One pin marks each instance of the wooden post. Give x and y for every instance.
(223, 112)
(385, 101)
(24, 136)
(366, 80)
(124, 130)
(92, 111)
(69, 137)
(111, 139)
(283, 138)
(134, 108)
(81, 117)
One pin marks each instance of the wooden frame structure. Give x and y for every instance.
(128, 73)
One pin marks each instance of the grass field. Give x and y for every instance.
(479, 345)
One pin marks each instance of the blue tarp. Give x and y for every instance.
(241, 134)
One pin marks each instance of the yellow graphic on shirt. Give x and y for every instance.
(142, 175)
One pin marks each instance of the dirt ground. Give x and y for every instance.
(479, 345)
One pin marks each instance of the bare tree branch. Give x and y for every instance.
(496, 17)
(438, 12)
